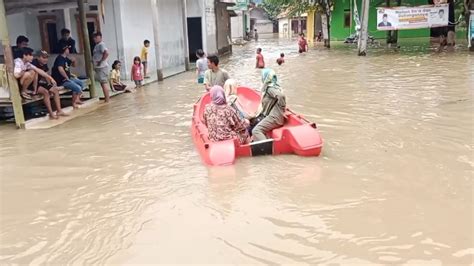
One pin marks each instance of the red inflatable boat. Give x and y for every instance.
(297, 135)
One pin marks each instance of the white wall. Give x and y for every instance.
(262, 23)
(210, 22)
(33, 31)
(74, 29)
(194, 8)
(237, 25)
(137, 26)
(170, 25)
(282, 30)
(16, 26)
(26, 23)
(264, 26)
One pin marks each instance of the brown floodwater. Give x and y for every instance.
(124, 184)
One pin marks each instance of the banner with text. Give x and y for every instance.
(405, 18)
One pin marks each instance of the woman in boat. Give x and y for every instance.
(271, 111)
(230, 89)
(221, 120)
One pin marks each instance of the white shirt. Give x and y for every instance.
(21, 66)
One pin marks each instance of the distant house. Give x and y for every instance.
(241, 20)
(289, 26)
(259, 20)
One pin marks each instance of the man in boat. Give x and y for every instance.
(271, 111)
(214, 75)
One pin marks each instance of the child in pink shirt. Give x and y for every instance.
(137, 76)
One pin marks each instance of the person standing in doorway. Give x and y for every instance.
(101, 66)
(144, 57)
(66, 40)
(260, 61)
(214, 75)
(255, 35)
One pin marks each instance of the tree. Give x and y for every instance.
(294, 7)
(273, 10)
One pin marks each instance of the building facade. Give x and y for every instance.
(259, 20)
(343, 25)
(175, 28)
(289, 26)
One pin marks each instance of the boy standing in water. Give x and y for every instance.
(101, 67)
(281, 60)
(255, 35)
(144, 57)
(201, 66)
(260, 61)
(302, 44)
(214, 75)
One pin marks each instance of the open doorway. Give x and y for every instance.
(93, 25)
(194, 37)
(48, 32)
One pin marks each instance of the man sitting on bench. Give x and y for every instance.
(26, 73)
(62, 74)
(46, 87)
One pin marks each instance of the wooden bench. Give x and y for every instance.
(6, 102)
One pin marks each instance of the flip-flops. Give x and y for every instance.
(26, 96)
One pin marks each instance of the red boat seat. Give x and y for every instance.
(249, 99)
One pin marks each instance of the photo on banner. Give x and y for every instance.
(400, 18)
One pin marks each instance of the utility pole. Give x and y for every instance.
(87, 47)
(12, 82)
(185, 35)
(364, 33)
(156, 35)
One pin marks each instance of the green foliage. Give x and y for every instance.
(295, 7)
(273, 10)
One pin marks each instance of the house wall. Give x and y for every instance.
(132, 33)
(264, 26)
(194, 8)
(262, 23)
(284, 28)
(237, 26)
(170, 25)
(197, 9)
(340, 32)
(16, 26)
(223, 29)
(211, 27)
(28, 24)
(33, 30)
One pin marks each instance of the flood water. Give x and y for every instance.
(124, 184)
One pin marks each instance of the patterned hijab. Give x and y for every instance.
(218, 95)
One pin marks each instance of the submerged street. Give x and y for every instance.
(125, 185)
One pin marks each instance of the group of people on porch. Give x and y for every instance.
(32, 71)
